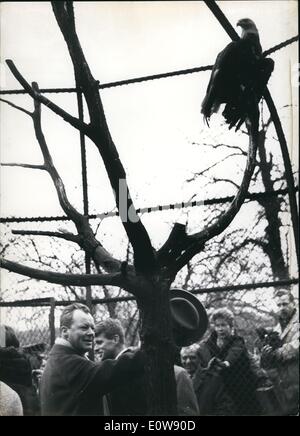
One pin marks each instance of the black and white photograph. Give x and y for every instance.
(149, 213)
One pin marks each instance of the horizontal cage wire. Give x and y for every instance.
(147, 78)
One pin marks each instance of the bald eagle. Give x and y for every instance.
(238, 78)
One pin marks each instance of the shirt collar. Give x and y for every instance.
(65, 343)
(121, 352)
(62, 341)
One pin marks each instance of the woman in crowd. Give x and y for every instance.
(225, 354)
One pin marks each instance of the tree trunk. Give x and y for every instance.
(157, 342)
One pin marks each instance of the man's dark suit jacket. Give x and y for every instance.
(130, 399)
(74, 385)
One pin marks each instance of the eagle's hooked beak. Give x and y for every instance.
(240, 27)
(243, 22)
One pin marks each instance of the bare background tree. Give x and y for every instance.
(268, 236)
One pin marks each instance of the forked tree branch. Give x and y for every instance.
(190, 245)
(99, 133)
(87, 239)
(36, 95)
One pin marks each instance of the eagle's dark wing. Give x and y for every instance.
(221, 83)
(238, 79)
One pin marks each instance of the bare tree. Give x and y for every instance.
(268, 234)
(150, 276)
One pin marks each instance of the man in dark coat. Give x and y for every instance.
(207, 382)
(110, 344)
(130, 399)
(73, 385)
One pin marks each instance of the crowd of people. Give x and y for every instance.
(216, 375)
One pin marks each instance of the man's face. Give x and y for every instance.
(190, 361)
(106, 348)
(222, 328)
(81, 333)
(285, 306)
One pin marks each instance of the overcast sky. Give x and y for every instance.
(153, 124)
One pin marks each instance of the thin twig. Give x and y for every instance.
(19, 108)
(36, 95)
(30, 166)
(66, 236)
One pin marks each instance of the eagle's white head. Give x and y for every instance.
(247, 25)
(250, 32)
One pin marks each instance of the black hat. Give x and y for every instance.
(35, 348)
(189, 317)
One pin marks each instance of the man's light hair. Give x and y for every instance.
(66, 317)
(194, 348)
(110, 327)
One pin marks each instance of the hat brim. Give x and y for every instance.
(184, 337)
